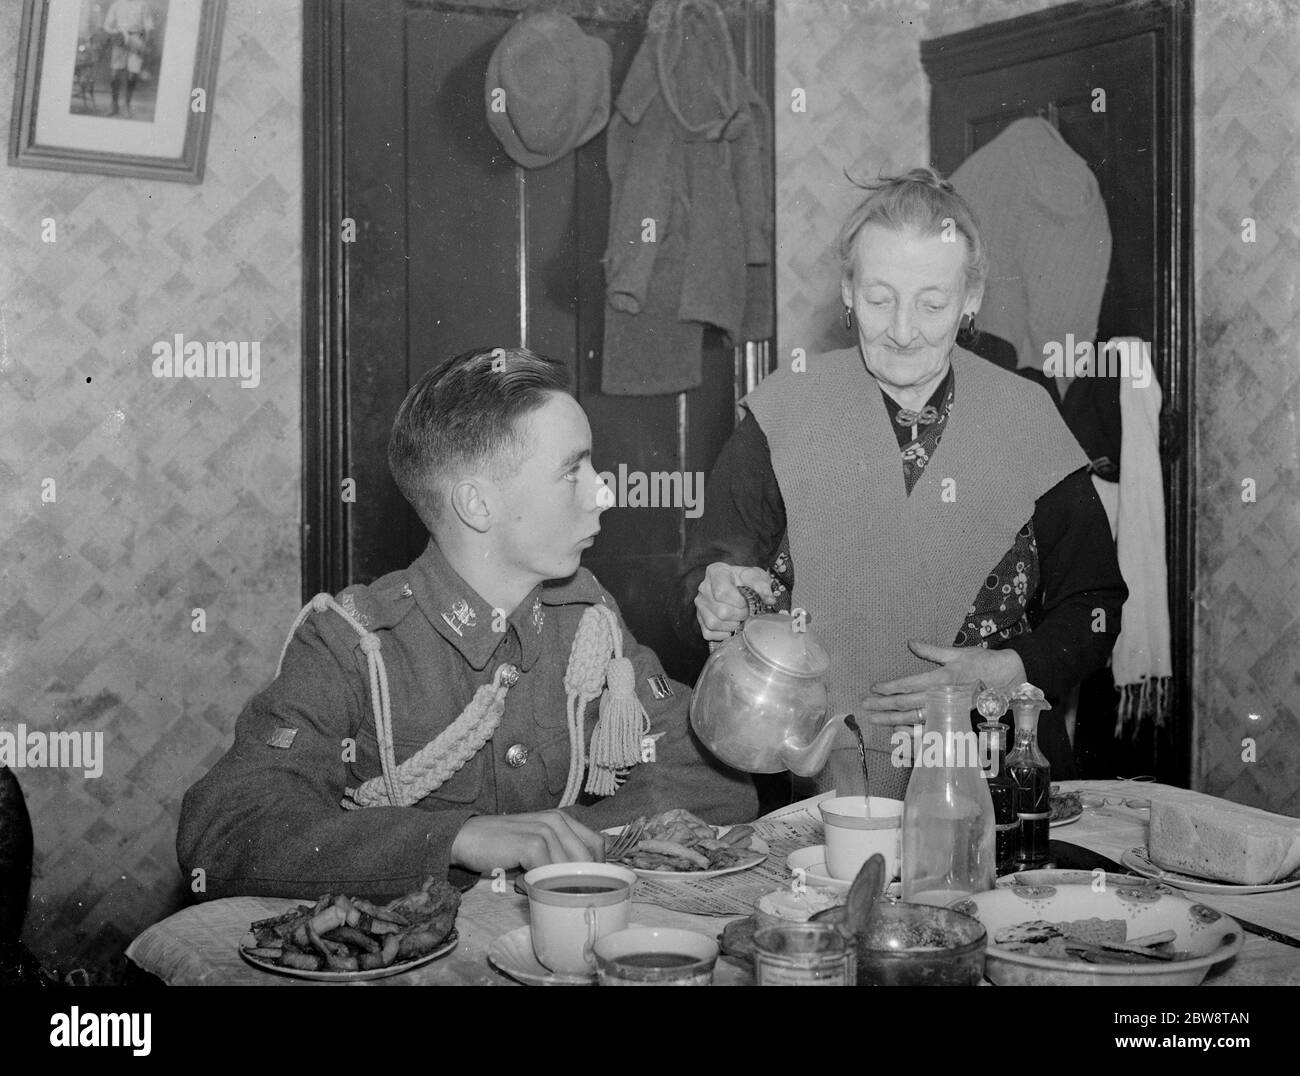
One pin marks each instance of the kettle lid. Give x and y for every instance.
(771, 637)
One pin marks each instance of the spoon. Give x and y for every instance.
(852, 722)
(853, 916)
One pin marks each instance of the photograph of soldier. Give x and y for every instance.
(119, 52)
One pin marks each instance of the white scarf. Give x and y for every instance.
(1141, 662)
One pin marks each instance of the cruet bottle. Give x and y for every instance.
(1006, 822)
(948, 835)
(1031, 777)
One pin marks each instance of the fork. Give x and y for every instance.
(626, 840)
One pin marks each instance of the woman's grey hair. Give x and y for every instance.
(920, 201)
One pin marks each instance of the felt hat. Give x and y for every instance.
(547, 88)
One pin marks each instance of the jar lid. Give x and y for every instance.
(773, 638)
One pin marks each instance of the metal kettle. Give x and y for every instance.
(760, 703)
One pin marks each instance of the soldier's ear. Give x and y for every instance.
(470, 505)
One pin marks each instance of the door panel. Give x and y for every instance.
(1050, 64)
(459, 248)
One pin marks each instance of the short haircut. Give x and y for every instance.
(920, 201)
(464, 414)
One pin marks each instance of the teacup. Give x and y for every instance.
(573, 905)
(854, 834)
(656, 956)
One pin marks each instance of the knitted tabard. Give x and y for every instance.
(875, 566)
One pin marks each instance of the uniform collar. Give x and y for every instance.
(464, 617)
(455, 609)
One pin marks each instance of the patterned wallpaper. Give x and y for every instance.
(1247, 87)
(169, 495)
(867, 111)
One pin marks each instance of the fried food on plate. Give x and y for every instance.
(347, 934)
(678, 841)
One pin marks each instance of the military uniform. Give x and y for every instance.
(267, 818)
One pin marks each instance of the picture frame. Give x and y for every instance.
(116, 87)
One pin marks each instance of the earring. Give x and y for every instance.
(848, 318)
(967, 326)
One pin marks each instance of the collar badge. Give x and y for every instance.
(460, 617)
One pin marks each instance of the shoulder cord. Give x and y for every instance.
(583, 679)
(616, 740)
(613, 746)
(431, 766)
(379, 698)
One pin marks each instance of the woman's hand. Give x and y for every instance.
(902, 702)
(720, 608)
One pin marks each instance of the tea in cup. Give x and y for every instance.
(854, 834)
(656, 956)
(571, 906)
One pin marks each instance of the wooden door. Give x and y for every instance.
(457, 247)
(1138, 145)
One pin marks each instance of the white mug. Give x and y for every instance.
(571, 906)
(853, 835)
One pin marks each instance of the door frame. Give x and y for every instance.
(1065, 28)
(326, 517)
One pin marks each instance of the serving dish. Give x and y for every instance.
(1207, 936)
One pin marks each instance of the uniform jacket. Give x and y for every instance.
(267, 818)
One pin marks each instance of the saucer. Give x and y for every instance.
(812, 861)
(512, 954)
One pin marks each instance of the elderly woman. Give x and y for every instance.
(929, 511)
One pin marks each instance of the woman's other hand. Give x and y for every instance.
(720, 608)
(897, 702)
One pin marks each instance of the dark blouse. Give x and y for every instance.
(1059, 575)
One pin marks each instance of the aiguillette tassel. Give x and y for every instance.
(616, 740)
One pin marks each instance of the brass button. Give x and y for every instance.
(516, 755)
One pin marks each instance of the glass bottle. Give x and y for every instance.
(948, 835)
(1031, 777)
(1006, 822)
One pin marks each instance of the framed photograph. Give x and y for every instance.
(119, 87)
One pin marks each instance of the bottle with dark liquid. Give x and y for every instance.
(1006, 822)
(1031, 779)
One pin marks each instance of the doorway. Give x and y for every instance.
(1138, 145)
(453, 246)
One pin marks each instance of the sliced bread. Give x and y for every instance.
(1214, 838)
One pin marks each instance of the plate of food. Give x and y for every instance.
(1139, 861)
(1067, 807)
(676, 844)
(350, 939)
(1073, 935)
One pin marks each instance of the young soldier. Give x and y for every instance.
(449, 705)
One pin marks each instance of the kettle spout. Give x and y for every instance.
(805, 760)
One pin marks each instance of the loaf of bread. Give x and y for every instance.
(1214, 838)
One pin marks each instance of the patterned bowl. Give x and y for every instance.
(1202, 932)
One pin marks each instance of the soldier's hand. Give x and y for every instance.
(524, 840)
(720, 608)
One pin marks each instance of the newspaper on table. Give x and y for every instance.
(736, 894)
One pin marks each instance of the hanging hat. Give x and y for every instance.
(555, 80)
